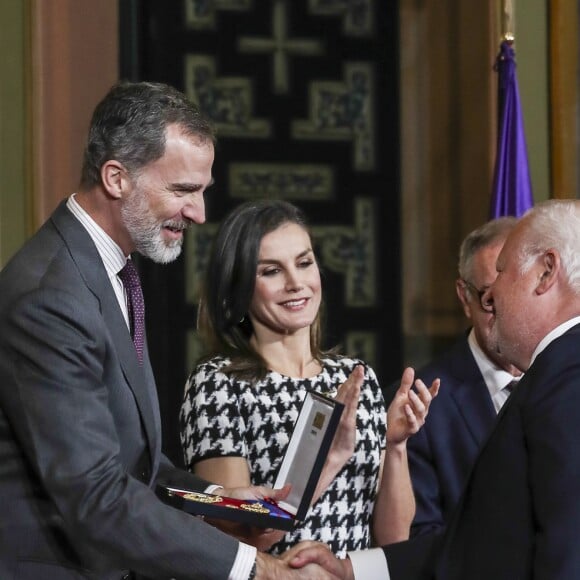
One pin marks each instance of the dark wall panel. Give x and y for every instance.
(304, 94)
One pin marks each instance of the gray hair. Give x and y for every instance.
(486, 235)
(129, 125)
(554, 224)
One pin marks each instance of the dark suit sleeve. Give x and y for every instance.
(173, 476)
(426, 485)
(60, 410)
(413, 559)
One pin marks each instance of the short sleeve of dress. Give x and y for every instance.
(210, 421)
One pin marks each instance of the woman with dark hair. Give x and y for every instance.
(259, 318)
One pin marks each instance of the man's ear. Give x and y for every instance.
(461, 290)
(115, 178)
(550, 268)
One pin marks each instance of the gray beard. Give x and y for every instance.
(146, 232)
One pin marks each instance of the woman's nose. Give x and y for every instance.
(293, 281)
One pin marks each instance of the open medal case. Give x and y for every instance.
(301, 467)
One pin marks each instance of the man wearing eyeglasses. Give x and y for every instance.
(476, 382)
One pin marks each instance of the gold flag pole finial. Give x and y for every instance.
(508, 18)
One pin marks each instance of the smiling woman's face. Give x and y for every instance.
(288, 289)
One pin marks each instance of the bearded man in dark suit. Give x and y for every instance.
(80, 435)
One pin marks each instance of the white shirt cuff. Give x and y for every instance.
(243, 563)
(369, 564)
(211, 488)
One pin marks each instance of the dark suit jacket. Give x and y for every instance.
(80, 436)
(519, 517)
(442, 454)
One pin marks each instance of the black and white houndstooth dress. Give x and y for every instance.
(222, 416)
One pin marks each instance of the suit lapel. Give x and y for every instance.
(475, 406)
(472, 396)
(139, 378)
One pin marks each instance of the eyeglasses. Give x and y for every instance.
(485, 305)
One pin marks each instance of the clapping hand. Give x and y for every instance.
(407, 412)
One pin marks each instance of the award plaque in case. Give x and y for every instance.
(301, 467)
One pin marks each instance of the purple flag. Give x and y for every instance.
(512, 186)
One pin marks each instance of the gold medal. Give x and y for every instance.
(202, 497)
(255, 507)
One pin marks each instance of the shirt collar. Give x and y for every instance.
(553, 335)
(494, 377)
(110, 252)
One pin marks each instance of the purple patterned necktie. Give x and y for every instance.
(135, 305)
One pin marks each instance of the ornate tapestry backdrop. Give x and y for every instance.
(304, 94)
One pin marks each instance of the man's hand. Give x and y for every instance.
(306, 554)
(270, 568)
(407, 412)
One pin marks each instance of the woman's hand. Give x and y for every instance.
(344, 440)
(262, 538)
(348, 394)
(255, 492)
(407, 412)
